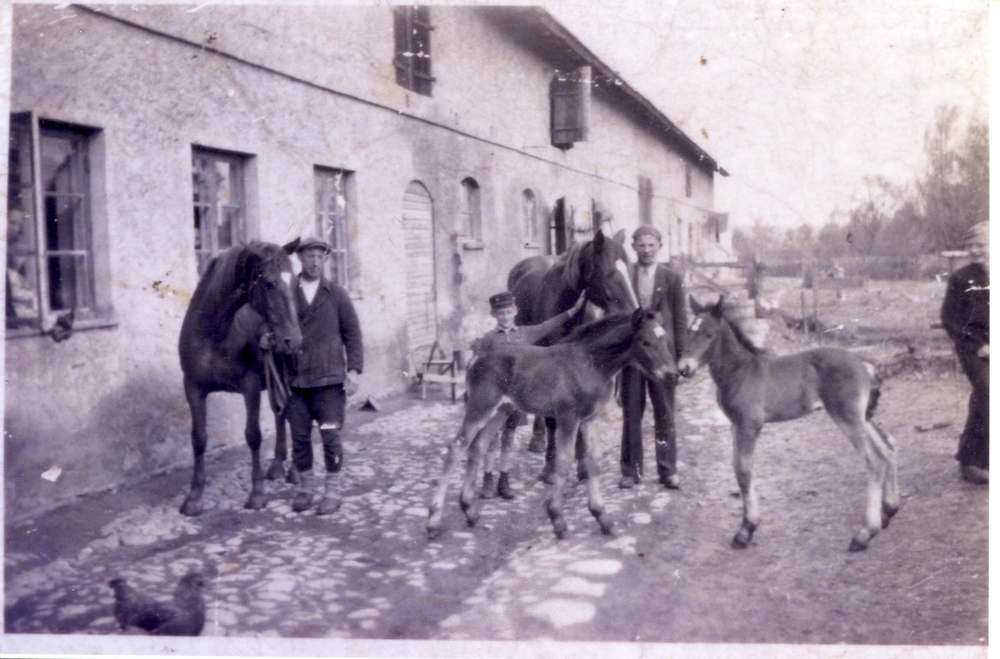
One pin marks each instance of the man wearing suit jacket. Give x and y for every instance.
(660, 290)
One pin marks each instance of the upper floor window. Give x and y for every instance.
(570, 106)
(50, 246)
(472, 224)
(645, 200)
(219, 203)
(412, 30)
(332, 219)
(687, 179)
(529, 214)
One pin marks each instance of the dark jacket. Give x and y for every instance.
(331, 337)
(965, 313)
(669, 307)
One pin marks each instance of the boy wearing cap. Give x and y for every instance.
(965, 315)
(504, 310)
(324, 372)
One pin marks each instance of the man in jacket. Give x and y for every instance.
(324, 373)
(660, 290)
(965, 315)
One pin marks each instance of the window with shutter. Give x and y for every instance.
(645, 200)
(570, 112)
(412, 32)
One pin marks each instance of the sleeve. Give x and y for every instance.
(956, 316)
(350, 333)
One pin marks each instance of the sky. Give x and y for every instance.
(798, 101)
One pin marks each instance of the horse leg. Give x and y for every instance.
(469, 498)
(594, 499)
(538, 435)
(473, 422)
(879, 463)
(506, 442)
(254, 439)
(276, 471)
(548, 471)
(890, 486)
(744, 442)
(566, 430)
(197, 401)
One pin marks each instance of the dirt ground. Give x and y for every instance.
(669, 576)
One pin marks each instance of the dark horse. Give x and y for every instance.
(544, 287)
(567, 381)
(756, 387)
(240, 287)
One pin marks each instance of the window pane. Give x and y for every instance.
(217, 186)
(69, 279)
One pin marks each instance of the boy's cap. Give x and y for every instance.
(501, 300)
(313, 242)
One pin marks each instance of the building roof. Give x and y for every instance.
(539, 30)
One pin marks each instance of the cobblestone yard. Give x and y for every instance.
(369, 571)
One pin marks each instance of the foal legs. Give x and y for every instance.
(744, 442)
(565, 433)
(469, 499)
(594, 499)
(882, 493)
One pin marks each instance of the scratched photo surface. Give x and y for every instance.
(330, 329)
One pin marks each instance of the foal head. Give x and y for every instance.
(649, 351)
(708, 327)
(267, 270)
(602, 267)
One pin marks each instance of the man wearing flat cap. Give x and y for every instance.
(323, 375)
(965, 315)
(504, 310)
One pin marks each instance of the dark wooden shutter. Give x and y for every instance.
(570, 100)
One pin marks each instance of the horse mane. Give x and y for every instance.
(599, 328)
(225, 286)
(741, 337)
(570, 262)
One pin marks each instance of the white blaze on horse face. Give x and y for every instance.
(695, 325)
(622, 267)
(659, 332)
(287, 278)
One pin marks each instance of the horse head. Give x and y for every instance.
(601, 266)
(267, 273)
(705, 328)
(648, 350)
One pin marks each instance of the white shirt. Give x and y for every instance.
(309, 289)
(644, 281)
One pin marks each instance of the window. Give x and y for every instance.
(570, 111)
(687, 179)
(50, 262)
(219, 205)
(529, 214)
(412, 29)
(472, 225)
(645, 200)
(332, 219)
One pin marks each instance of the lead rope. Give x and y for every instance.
(274, 380)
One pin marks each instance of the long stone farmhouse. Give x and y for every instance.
(433, 146)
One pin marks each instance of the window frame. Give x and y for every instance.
(343, 270)
(472, 214)
(212, 205)
(412, 55)
(88, 246)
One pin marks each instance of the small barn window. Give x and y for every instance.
(472, 223)
(219, 204)
(529, 214)
(50, 260)
(332, 219)
(645, 200)
(687, 179)
(570, 106)
(412, 29)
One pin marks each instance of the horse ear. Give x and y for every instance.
(292, 246)
(717, 309)
(695, 307)
(620, 237)
(599, 240)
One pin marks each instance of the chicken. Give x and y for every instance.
(62, 329)
(184, 616)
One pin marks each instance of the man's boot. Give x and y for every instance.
(304, 495)
(503, 486)
(331, 497)
(489, 490)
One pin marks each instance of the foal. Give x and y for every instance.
(756, 387)
(567, 381)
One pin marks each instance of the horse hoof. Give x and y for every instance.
(255, 502)
(537, 444)
(547, 477)
(276, 471)
(434, 532)
(293, 477)
(857, 546)
(887, 514)
(559, 528)
(191, 508)
(471, 522)
(739, 542)
(607, 527)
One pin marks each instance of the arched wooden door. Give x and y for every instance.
(421, 297)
